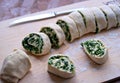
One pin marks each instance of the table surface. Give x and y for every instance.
(86, 70)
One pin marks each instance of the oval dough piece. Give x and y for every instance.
(89, 19)
(37, 43)
(55, 34)
(100, 18)
(69, 27)
(110, 16)
(77, 17)
(61, 65)
(116, 10)
(91, 48)
(15, 67)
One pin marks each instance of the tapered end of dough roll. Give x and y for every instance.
(15, 67)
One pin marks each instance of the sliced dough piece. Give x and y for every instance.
(77, 17)
(116, 10)
(110, 16)
(15, 67)
(96, 50)
(89, 19)
(55, 34)
(37, 43)
(69, 27)
(61, 65)
(101, 22)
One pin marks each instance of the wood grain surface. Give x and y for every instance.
(86, 70)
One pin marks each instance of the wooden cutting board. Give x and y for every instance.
(86, 70)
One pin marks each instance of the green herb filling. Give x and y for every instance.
(105, 17)
(97, 29)
(84, 19)
(65, 28)
(33, 43)
(62, 63)
(94, 47)
(52, 35)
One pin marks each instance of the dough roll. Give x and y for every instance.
(69, 27)
(37, 43)
(15, 67)
(101, 22)
(77, 17)
(96, 50)
(110, 16)
(61, 65)
(55, 34)
(116, 10)
(89, 19)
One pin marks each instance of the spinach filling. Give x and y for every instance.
(65, 28)
(52, 35)
(106, 18)
(97, 29)
(61, 63)
(84, 19)
(94, 47)
(33, 43)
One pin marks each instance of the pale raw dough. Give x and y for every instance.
(60, 73)
(72, 27)
(77, 17)
(116, 10)
(15, 67)
(112, 21)
(59, 32)
(100, 18)
(90, 19)
(46, 44)
(96, 59)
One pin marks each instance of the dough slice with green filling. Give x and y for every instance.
(61, 65)
(96, 50)
(37, 43)
(116, 10)
(100, 20)
(69, 27)
(89, 19)
(55, 34)
(110, 16)
(77, 17)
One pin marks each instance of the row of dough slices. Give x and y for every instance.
(87, 20)
(50, 36)
(71, 27)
